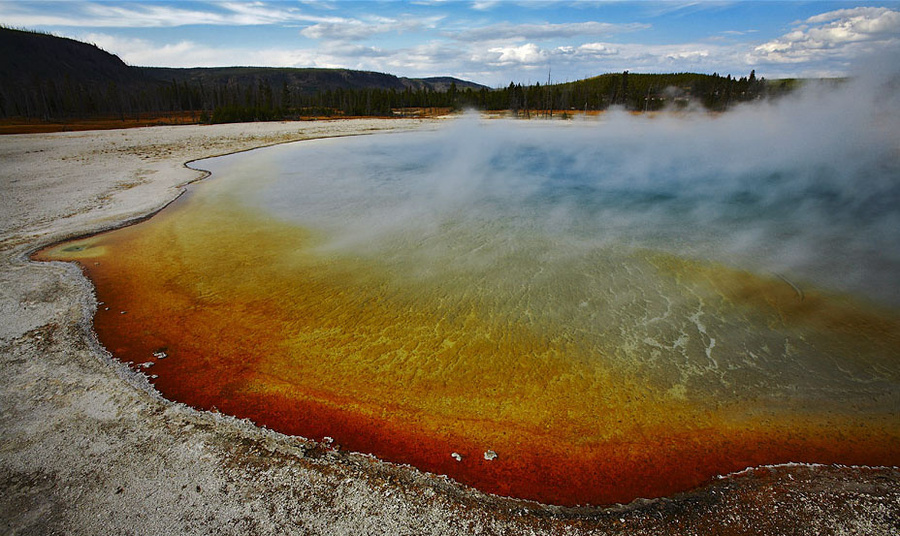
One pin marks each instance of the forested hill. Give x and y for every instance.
(647, 92)
(307, 81)
(29, 57)
(50, 78)
(47, 77)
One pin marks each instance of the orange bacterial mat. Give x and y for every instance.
(596, 379)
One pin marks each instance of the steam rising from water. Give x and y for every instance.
(807, 187)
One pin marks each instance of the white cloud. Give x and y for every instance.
(525, 55)
(687, 55)
(422, 60)
(484, 5)
(137, 15)
(874, 14)
(186, 53)
(597, 49)
(254, 13)
(507, 31)
(591, 59)
(354, 29)
(841, 34)
(348, 52)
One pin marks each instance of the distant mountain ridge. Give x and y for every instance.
(26, 56)
(42, 75)
(308, 80)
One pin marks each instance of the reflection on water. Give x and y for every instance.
(616, 313)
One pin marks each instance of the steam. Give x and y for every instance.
(807, 186)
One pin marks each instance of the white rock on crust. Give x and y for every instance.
(456, 456)
(490, 455)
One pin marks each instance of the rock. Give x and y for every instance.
(490, 455)
(456, 456)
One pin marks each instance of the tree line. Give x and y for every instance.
(260, 100)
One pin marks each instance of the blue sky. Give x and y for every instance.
(491, 42)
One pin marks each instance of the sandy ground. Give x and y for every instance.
(86, 447)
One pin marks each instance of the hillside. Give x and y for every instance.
(51, 78)
(29, 56)
(305, 81)
(47, 77)
(648, 92)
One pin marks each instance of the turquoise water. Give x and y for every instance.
(822, 211)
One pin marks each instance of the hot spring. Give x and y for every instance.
(616, 309)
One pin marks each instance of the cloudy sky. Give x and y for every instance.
(491, 42)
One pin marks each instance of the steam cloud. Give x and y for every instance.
(807, 186)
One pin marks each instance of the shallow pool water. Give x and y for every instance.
(617, 309)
